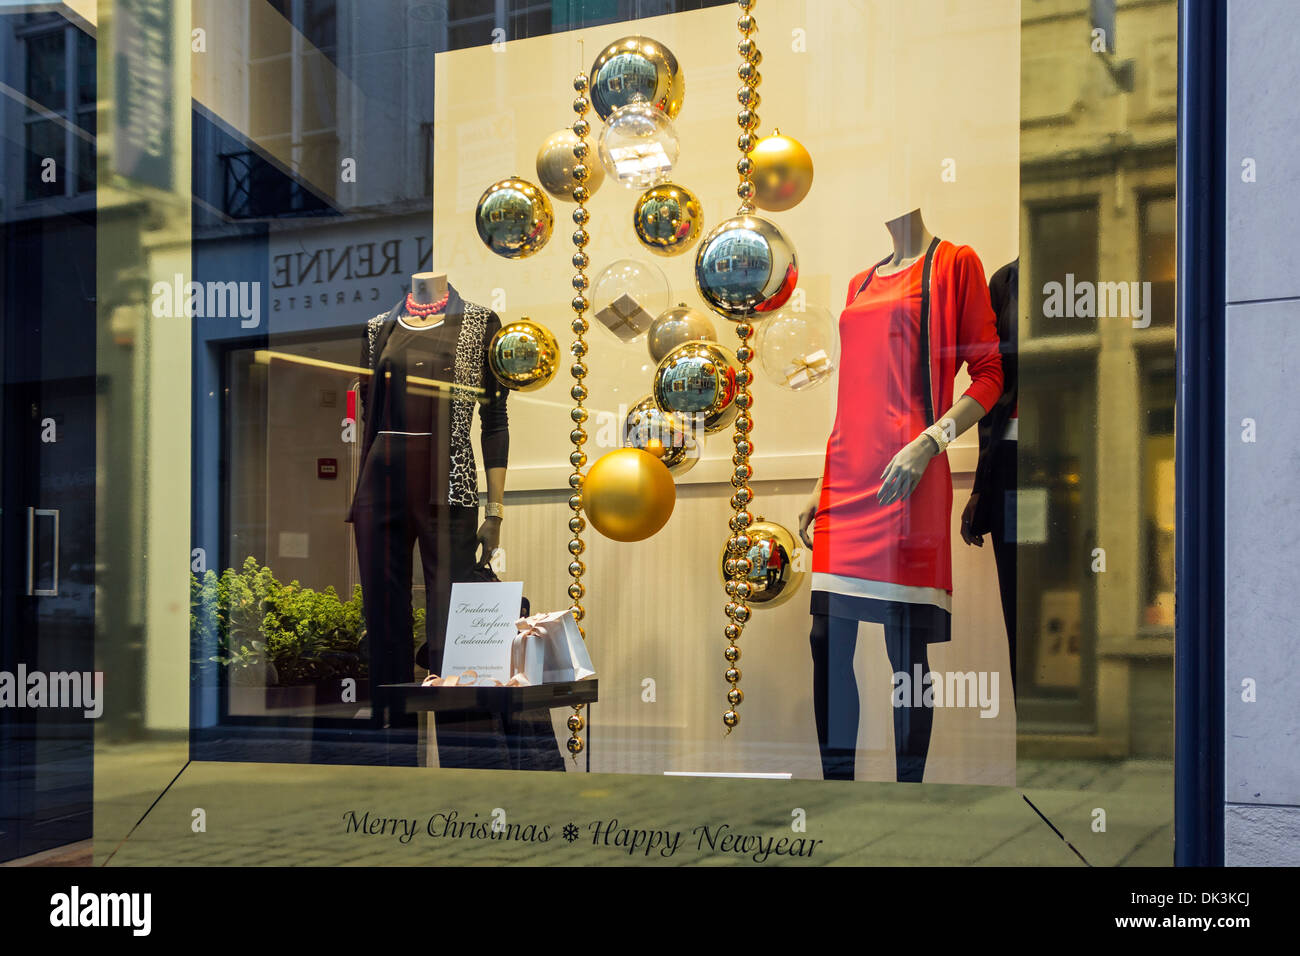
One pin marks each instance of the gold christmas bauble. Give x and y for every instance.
(555, 162)
(677, 326)
(628, 495)
(636, 68)
(514, 218)
(523, 355)
(697, 380)
(667, 219)
(783, 172)
(662, 435)
(771, 576)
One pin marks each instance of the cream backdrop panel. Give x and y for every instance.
(901, 105)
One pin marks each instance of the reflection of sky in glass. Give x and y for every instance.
(737, 266)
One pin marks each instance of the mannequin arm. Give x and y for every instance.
(489, 532)
(809, 513)
(904, 472)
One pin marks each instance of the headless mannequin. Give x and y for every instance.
(833, 639)
(427, 288)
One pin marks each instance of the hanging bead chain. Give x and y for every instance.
(578, 414)
(738, 565)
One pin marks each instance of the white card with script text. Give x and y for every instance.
(481, 629)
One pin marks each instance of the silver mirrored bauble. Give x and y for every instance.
(746, 267)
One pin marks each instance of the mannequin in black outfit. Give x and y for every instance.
(991, 509)
(418, 484)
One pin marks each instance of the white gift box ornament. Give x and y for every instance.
(808, 369)
(549, 649)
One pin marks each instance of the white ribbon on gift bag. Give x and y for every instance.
(549, 649)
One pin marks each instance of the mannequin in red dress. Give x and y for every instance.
(881, 513)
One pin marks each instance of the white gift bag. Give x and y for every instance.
(549, 649)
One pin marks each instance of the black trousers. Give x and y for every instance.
(392, 515)
(835, 693)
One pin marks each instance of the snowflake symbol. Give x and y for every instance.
(570, 832)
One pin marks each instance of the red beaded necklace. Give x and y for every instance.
(424, 311)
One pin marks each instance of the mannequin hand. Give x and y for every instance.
(489, 538)
(806, 518)
(967, 516)
(904, 473)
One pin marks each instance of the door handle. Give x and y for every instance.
(32, 515)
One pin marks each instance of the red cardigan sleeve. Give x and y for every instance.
(977, 329)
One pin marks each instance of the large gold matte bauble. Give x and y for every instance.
(783, 172)
(555, 162)
(677, 326)
(746, 267)
(628, 495)
(662, 435)
(523, 355)
(636, 67)
(514, 218)
(771, 576)
(667, 219)
(698, 381)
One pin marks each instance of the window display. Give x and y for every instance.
(746, 365)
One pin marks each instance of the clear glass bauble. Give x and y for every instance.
(626, 297)
(639, 145)
(798, 350)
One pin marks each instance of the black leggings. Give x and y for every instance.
(835, 696)
(393, 514)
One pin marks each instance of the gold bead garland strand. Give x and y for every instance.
(738, 567)
(578, 414)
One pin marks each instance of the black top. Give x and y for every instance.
(390, 401)
(424, 359)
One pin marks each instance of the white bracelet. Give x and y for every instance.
(939, 435)
(494, 509)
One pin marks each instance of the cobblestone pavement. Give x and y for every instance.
(251, 814)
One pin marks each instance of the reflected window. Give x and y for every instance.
(1159, 252)
(60, 111)
(1064, 240)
